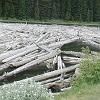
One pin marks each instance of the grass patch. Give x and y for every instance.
(89, 92)
(87, 85)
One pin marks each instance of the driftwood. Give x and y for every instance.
(54, 79)
(71, 60)
(55, 60)
(96, 39)
(60, 66)
(92, 44)
(27, 60)
(61, 43)
(19, 51)
(42, 37)
(61, 84)
(73, 53)
(43, 50)
(18, 55)
(54, 73)
(31, 64)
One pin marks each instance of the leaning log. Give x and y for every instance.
(73, 62)
(60, 66)
(31, 64)
(42, 37)
(18, 51)
(27, 60)
(54, 79)
(54, 73)
(19, 54)
(73, 53)
(61, 84)
(92, 44)
(61, 43)
(32, 48)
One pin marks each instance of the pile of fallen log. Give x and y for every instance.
(46, 50)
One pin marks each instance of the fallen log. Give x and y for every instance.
(96, 39)
(60, 66)
(31, 64)
(18, 51)
(55, 79)
(70, 58)
(54, 73)
(31, 48)
(49, 40)
(49, 63)
(92, 44)
(55, 60)
(73, 62)
(59, 62)
(18, 55)
(63, 84)
(27, 60)
(42, 37)
(73, 53)
(61, 43)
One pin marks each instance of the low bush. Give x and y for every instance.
(24, 90)
(89, 71)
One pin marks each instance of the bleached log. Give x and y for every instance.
(70, 58)
(72, 62)
(49, 40)
(43, 47)
(55, 60)
(31, 64)
(54, 79)
(59, 62)
(31, 48)
(73, 53)
(60, 66)
(54, 73)
(64, 65)
(92, 44)
(15, 52)
(61, 43)
(42, 37)
(61, 84)
(19, 54)
(49, 63)
(27, 60)
(96, 39)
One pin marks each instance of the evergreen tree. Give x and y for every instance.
(77, 10)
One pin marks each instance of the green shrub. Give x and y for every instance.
(24, 90)
(89, 71)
